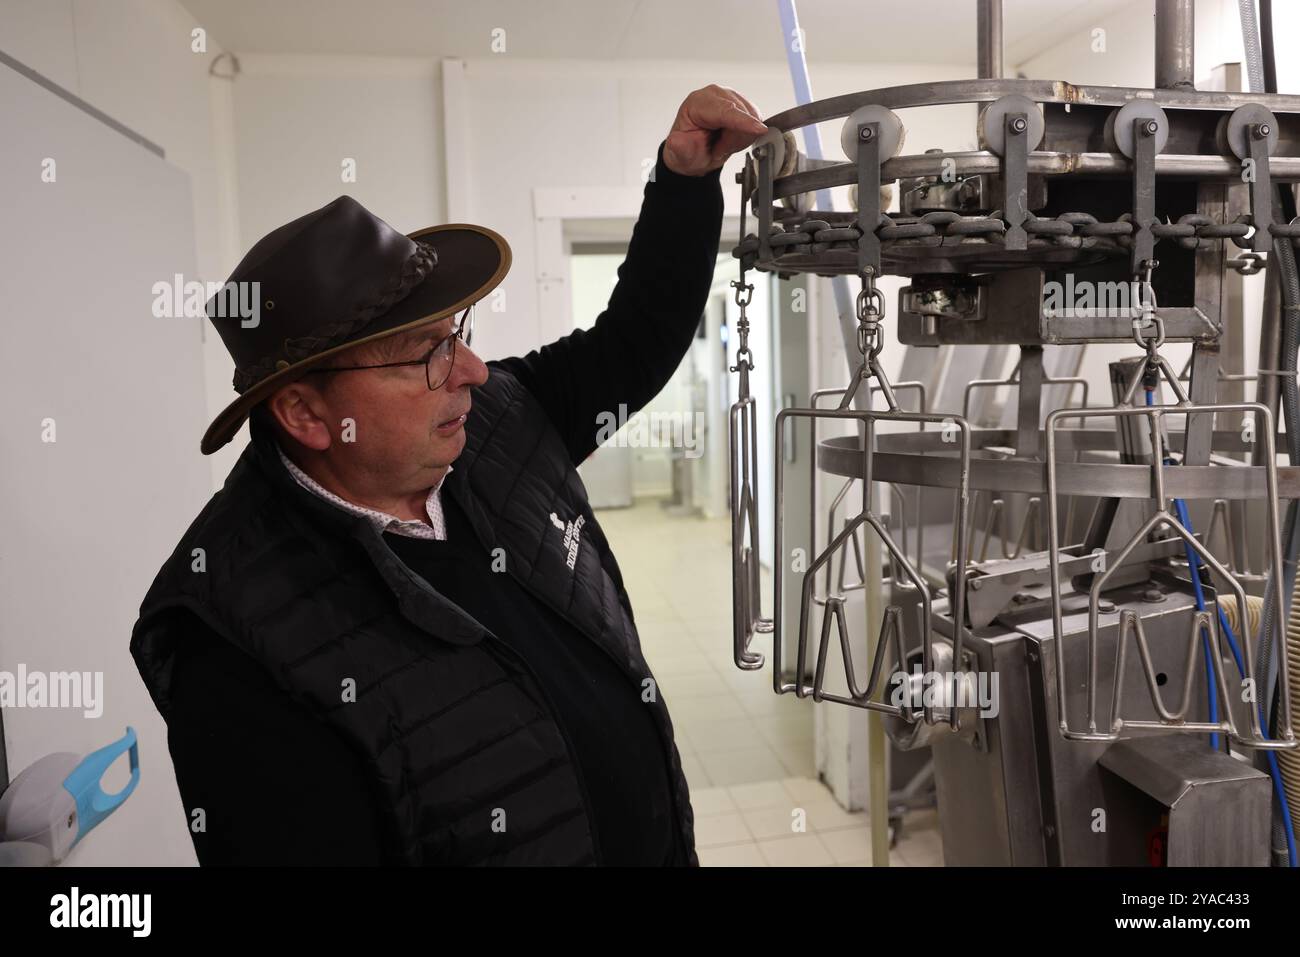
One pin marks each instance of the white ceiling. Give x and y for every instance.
(719, 30)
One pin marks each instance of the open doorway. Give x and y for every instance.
(674, 451)
(669, 510)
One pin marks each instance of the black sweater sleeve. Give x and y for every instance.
(276, 786)
(639, 340)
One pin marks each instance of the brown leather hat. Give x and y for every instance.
(333, 278)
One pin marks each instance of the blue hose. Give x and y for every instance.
(1193, 566)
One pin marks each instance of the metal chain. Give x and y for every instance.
(1069, 230)
(744, 292)
(1146, 317)
(870, 310)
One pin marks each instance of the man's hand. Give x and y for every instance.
(711, 124)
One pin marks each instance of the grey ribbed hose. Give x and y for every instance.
(1289, 658)
(1289, 288)
(1254, 52)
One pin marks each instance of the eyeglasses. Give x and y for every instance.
(437, 362)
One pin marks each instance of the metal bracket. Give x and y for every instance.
(1261, 189)
(1015, 180)
(1145, 130)
(869, 198)
(765, 172)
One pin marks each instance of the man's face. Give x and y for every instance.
(405, 435)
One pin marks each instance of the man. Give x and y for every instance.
(365, 655)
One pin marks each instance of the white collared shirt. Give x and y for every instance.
(436, 529)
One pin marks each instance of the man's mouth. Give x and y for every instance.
(452, 424)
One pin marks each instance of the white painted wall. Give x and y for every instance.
(133, 60)
(85, 534)
(299, 118)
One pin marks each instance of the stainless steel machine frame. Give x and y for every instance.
(980, 233)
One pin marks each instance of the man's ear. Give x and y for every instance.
(299, 409)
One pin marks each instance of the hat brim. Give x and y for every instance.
(472, 261)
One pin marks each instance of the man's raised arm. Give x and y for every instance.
(637, 343)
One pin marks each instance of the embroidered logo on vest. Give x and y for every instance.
(572, 535)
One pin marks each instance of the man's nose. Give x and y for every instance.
(468, 368)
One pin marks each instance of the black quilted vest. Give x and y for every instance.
(454, 729)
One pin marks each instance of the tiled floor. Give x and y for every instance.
(747, 752)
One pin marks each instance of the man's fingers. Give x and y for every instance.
(730, 142)
(746, 122)
(716, 111)
(711, 125)
(749, 107)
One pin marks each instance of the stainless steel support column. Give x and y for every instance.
(988, 18)
(1203, 390)
(1175, 43)
(1267, 392)
(1270, 351)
